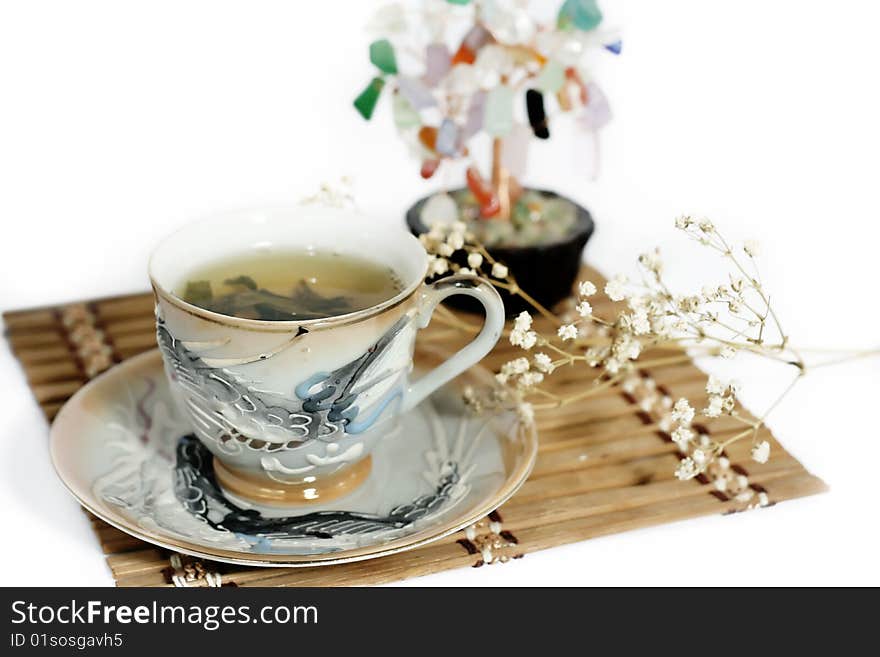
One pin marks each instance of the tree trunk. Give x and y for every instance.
(500, 180)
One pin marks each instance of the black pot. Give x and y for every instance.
(547, 271)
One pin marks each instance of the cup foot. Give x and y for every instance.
(262, 490)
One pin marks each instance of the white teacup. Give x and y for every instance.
(292, 409)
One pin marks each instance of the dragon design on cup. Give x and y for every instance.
(235, 414)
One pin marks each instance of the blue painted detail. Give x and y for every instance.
(302, 390)
(259, 544)
(349, 414)
(356, 427)
(616, 47)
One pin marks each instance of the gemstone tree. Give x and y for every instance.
(461, 68)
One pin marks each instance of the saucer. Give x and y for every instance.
(125, 451)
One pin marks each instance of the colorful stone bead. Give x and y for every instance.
(429, 168)
(493, 62)
(537, 115)
(498, 117)
(418, 95)
(579, 14)
(551, 78)
(491, 208)
(405, 116)
(566, 47)
(474, 120)
(461, 80)
(388, 19)
(573, 75)
(428, 137)
(447, 138)
(564, 99)
(614, 47)
(515, 150)
(508, 24)
(475, 39)
(481, 190)
(437, 63)
(464, 55)
(382, 56)
(365, 103)
(597, 112)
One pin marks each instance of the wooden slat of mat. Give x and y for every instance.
(603, 466)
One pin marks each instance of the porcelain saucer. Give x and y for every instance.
(126, 453)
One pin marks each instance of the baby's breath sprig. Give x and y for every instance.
(643, 317)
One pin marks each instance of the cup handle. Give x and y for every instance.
(469, 355)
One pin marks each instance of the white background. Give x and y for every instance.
(120, 120)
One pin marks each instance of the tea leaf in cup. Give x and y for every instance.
(198, 293)
(243, 280)
(305, 296)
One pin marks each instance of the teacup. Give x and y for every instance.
(292, 410)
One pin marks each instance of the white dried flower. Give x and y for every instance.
(586, 289)
(612, 366)
(437, 266)
(706, 226)
(474, 260)
(699, 457)
(445, 250)
(687, 469)
(628, 347)
(523, 321)
(681, 437)
(761, 452)
(682, 412)
(714, 386)
(616, 288)
(745, 496)
(751, 248)
(466, 271)
(455, 241)
(584, 309)
(528, 340)
(567, 332)
(544, 363)
(715, 407)
(525, 412)
(763, 499)
(499, 270)
(515, 367)
(593, 355)
(651, 261)
(640, 323)
(720, 484)
(683, 222)
(521, 335)
(530, 379)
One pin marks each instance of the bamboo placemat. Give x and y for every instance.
(604, 465)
